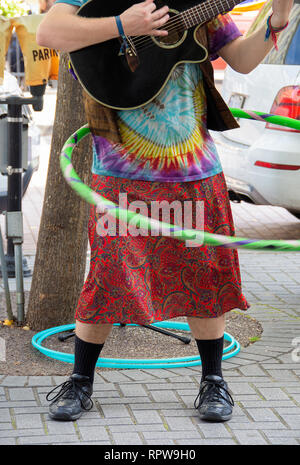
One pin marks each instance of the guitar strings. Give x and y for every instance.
(192, 13)
(179, 20)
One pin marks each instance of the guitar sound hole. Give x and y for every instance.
(176, 32)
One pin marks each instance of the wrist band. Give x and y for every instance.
(122, 35)
(272, 31)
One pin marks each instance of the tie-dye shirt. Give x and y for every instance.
(167, 139)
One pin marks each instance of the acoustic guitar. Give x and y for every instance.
(125, 78)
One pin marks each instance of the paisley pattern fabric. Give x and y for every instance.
(153, 278)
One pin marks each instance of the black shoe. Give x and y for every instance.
(73, 397)
(215, 402)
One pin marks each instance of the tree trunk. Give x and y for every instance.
(60, 260)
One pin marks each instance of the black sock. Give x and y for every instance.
(211, 353)
(86, 356)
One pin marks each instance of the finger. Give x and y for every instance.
(156, 32)
(160, 13)
(151, 7)
(159, 23)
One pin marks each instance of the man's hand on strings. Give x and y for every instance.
(145, 19)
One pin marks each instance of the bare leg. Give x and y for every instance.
(207, 328)
(94, 333)
(214, 401)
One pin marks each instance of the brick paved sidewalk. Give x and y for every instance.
(149, 407)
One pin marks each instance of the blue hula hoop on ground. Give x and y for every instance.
(230, 351)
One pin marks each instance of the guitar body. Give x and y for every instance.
(112, 79)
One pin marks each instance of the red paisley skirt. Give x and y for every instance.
(142, 279)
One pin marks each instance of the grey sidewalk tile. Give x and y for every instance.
(288, 433)
(28, 432)
(178, 424)
(250, 438)
(172, 435)
(284, 377)
(132, 390)
(292, 420)
(60, 427)
(51, 439)
(5, 415)
(59, 379)
(147, 417)
(28, 421)
(273, 393)
(114, 376)
(88, 421)
(113, 411)
(7, 442)
(207, 442)
(164, 396)
(14, 381)
(104, 396)
(214, 430)
(283, 441)
(259, 414)
(122, 400)
(33, 409)
(160, 373)
(261, 425)
(21, 394)
(17, 404)
(91, 443)
(252, 370)
(156, 406)
(171, 385)
(127, 439)
(160, 442)
(139, 375)
(6, 426)
(100, 386)
(136, 428)
(241, 388)
(295, 410)
(267, 403)
(94, 434)
(186, 379)
(186, 412)
(39, 381)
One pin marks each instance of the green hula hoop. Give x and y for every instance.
(196, 236)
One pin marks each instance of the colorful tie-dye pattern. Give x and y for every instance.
(167, 139)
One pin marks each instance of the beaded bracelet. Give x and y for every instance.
(272, 31)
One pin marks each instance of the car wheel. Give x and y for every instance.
(294, 213)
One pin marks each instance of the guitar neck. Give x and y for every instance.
(206, 11)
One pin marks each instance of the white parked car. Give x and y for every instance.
(261, 162)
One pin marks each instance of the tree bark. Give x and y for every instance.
(60, 259)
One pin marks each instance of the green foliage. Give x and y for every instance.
(11, 8)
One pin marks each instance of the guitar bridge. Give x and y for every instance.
(129, 51)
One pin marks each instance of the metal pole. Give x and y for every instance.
(9, 312)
